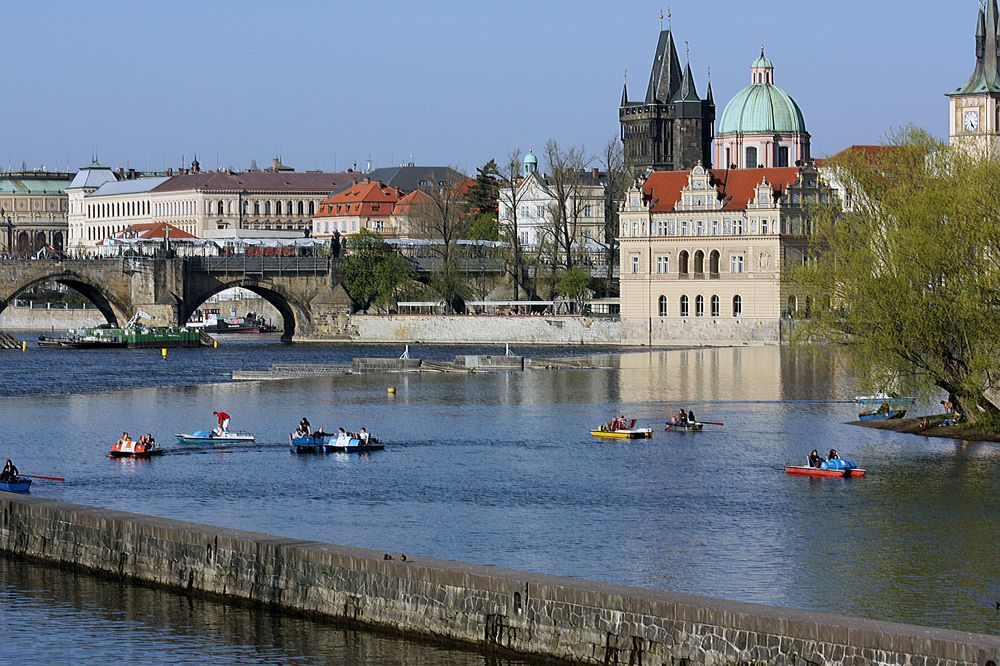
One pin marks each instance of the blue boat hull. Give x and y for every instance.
(320, 444)
(882, 416)
(205, 437)
(20, 485)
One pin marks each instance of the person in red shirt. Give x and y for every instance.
(223, 422)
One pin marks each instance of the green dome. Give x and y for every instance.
(530, 158)
(763, 61)
(762, 109)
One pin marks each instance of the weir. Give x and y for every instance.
(531, 614)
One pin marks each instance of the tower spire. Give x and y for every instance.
(625, 90)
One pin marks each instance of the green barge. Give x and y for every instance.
(108, 336)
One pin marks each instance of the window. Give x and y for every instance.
(635, 229)
(635, 265)
(312, 207)
(736, 263)
(663, 306)
(782, 156)
(288, 208)
(663, 265)
(763, 227)
(738, 227)
(699, 306)
(586, 210)
(302, 208)
(699, 228)
(715, 306)
(256, 208)
(377, 225)
(684, 306)
(715, 227)
(751, 161)
(737, 306)
(221, 208)
(684, 228)
(539, 211)
(713, 262)
(682, 260)
(699, 262)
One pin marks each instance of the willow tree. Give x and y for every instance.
(906, 276)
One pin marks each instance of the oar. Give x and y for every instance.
(712, 422)
(47, 478)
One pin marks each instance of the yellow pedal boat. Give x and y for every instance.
(623, 433)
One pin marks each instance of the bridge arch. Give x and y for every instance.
(294, 314)
(112, 308)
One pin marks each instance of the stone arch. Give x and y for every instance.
(294, 314)
(111, 307)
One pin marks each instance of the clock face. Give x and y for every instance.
(971, 121)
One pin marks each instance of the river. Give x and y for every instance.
(499, 469)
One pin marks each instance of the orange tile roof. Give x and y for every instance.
(735, 187)
(154, 231)
(365, 198)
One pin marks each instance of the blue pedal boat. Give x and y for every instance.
(308, 443)
(207, 437)
(18, 485)
(349, 443)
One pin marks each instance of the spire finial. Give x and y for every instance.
(687, 51)
(661, 19)
(669, 26)
(762, 49)
(709, 75)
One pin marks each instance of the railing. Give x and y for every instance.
(48, 305)
(464, 264)
(245, 265)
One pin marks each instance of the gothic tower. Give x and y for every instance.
(673, 127)
(975, 107)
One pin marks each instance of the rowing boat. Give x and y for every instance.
(18, 484)
(805, 470)
(685, 427)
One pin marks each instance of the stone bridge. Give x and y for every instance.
(307, 291)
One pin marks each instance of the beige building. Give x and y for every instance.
(33, 211)
(702, 253)
(104, 203)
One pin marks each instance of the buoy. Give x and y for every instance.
(215, 343)
(391, 390)
(24, 345)
(163, 352)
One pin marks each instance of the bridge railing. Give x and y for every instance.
(242, 264)
(464, 264)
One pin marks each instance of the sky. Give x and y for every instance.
(327, 84)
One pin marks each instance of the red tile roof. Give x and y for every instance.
(735, 187)
(874, 155)
(366, 198)
(154, 231)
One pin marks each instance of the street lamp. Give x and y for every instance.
(10, 231)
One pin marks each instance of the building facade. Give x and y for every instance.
(974, 109)
(33, 211)
(703, 251)
(762, 126)
(672, 127)
(368, 205)
(197, 202)
(535, 199)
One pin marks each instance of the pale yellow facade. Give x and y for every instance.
(708, 272)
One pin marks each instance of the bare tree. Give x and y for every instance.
(441, 214)
(509, 176)
(565, 184)
(616, 182)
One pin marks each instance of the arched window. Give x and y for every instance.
(684, 306)
(699, 262)
(267, 208)
(713, 263)
(221, 207)
(737, 306)
(256, 208)
(663, 306)
(751, 161)
(715, 306)
(699, 306)
(682, 262)
(312, 207)
(289, 208)
(302, 208)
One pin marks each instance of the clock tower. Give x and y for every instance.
(974, 120)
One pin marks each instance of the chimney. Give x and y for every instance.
(121, 173)
(597, 173)
(131, 174)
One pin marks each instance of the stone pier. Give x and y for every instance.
(531, 614)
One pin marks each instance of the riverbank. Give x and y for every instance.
(930, 426)
(532, 614)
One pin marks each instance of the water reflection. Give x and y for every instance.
(85, 619)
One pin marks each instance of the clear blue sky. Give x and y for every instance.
(446, 82)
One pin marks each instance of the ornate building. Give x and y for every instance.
(703, 252)
(974, 121)
(672, 127)
(762, 126)
(33, 209)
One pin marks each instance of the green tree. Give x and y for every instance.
(373, 273)
(574, 284)
(907, 276)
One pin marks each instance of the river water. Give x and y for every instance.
(500, 469)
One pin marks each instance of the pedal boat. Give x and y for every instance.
(806, 470)
(623, 433)
(207, 437)
(134, 450)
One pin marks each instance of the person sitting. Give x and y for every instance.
(834, 455)
(305, 426)
(141, 442)
(125, 440)
(682, 417)
(691, 417)
(150, 442)
(815, 459)
(10, 472)
(363, 435)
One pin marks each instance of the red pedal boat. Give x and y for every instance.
(806, 470)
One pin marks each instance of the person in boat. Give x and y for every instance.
(834, 455)
(223, 428)
(125, 440)
(10, 472)
(682, 417)
(815, 459)
(363, 435)
(305, 427)
(150, 442)
(691, 417)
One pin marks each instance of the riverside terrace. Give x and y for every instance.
(532, 614)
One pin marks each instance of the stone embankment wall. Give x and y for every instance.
(701, 331)
(562, 330)
(39, 319)
(563, 618)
